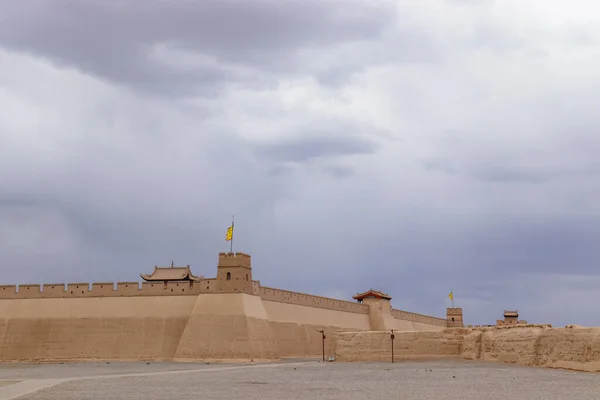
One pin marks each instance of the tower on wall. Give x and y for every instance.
(234, 273)
(380, 309)
(511, 317)
(454, 318)
(231, 323)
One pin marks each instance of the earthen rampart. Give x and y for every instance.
(303, 299)
(175, 315)
(414, 317)
(121, 289)
(574, 348)
(377, 345)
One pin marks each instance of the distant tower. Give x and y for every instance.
(511, 317)
(454, 318)
(234, 273)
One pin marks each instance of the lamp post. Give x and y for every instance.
(322, 341)
(392, 337)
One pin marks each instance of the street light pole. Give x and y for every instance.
(322, 341)
(392, 337)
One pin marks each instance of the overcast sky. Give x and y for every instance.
(407, 146)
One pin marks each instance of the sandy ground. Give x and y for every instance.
(448, 380)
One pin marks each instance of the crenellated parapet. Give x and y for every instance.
(235, 260)
(107, 289)
(414, 317)
(513, 326)
(309, 300)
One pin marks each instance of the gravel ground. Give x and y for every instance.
(444, 380)
(67, 370)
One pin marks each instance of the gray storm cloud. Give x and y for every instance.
(409, 148)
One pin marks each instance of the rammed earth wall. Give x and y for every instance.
(154, 321)
(230, 317)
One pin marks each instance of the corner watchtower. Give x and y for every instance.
(454, 318)
(234, 273)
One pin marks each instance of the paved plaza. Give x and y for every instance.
(448, 380)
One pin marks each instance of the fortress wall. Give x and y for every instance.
(306, 315)
(128, 328)
(296, 327)
(228, 326)
(377, 345)
(403, 325)
(285, 296)
(149, 306)
(154, 320)
(296, 319)
(408, 321)
(123, 324)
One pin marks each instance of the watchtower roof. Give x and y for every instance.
(171, 273)
(371, 293)
(509, 313)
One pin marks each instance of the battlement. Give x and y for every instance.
(309, 300)
(513, 326)
(454, 311)
(414, 317)
(106, 289)
(234, 260)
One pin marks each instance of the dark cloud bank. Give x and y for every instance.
(112, 181)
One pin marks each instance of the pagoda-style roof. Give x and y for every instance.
(171, 273)
(371, 293)
(508, 313)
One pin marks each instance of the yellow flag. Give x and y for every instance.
(451, 296)
(229, 234)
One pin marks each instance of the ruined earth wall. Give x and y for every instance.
(377, 346)
(574, 348)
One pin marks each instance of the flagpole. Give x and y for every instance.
(452, 291)
(232, 231)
